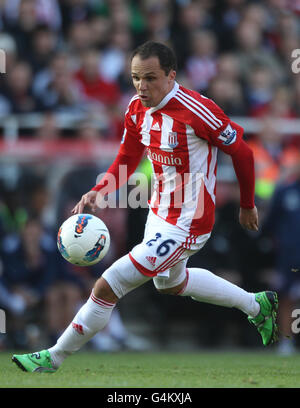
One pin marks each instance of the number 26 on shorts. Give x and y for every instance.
(164, 247)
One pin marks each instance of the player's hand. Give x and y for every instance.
(88, 199)
(249, 218)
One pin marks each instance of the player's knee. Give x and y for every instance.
(102, 290)
(122, 277)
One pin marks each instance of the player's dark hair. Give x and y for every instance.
(165, 54)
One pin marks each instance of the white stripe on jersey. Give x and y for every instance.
(210, 181)
(198, 154)
(155, 192)
(193, 102)
(187, 105)
(134, 98)
(169, 185)
(124, 135)
(215, 120)
(146, 126)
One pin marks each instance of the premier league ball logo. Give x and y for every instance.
(228, 136)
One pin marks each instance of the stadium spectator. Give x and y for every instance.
(257, 13)
(30, 266)
(114, 57)
(59, 64)
(158, 21)
(120, 14)
(79, 40)
(18, 89)
(189, 17)
(228, 15)
(101, 30)
(26, 17)
(279, 106)
(273, 158)
(42, 11)
(201, 65)
(226, 88)
(13, 214)
(228, 94)
(57, 88)
(73, 12)
(259, 88)
(252, 52)
(283, 224)
(124, 15)
(94, 87)
(43, 47)
(228, 67)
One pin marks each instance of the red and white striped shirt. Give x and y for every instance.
(182, 135)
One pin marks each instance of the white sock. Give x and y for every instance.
(91, 318)
(204, 286)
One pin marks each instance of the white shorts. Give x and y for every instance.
(164, 246)
(161, 256)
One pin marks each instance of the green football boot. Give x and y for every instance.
(35, 362)
(265, 321)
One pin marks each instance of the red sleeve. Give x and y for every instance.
(217, 128)
(131, 141)
(243, 163)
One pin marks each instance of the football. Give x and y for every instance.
(83, 239)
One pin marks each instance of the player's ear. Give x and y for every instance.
(172, 75)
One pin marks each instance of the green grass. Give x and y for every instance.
(161, 370)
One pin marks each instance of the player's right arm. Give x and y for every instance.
(130, 153)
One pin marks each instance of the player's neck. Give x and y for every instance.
(172, 89)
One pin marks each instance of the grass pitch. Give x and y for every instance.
(161, 370)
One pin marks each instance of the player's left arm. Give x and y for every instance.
(228, 137)
(243, 163)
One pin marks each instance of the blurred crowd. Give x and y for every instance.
(73, 57)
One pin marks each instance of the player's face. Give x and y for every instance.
(150, 80)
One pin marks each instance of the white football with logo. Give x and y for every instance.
(83, 239)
